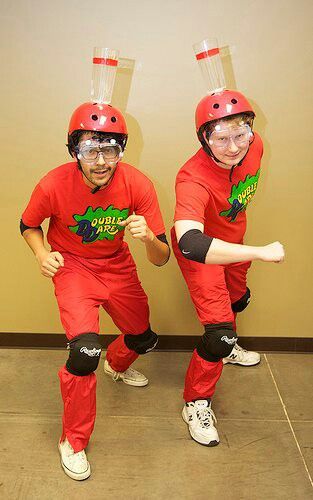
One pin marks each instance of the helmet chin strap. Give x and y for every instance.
(250, 142)
(208, 150)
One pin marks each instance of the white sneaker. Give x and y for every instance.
(129, 376)
(240, 356)
(200, 418)
(75, 465)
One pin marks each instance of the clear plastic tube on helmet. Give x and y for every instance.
(208, 56)
(105, 63)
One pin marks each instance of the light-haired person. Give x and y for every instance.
(213, 190)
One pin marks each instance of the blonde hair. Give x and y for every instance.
(246, 118)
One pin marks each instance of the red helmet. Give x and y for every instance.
(97, 117)
(219, 105)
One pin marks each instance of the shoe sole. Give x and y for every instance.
(137, 384)
(134, 384)
(240, 364)
(73, 475)
(210, 444)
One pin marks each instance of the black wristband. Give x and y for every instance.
(162, 237)
(23, 227)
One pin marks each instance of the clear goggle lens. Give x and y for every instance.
(221, 138)
(90, 151)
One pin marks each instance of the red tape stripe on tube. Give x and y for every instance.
(107, 62)
(208, 53)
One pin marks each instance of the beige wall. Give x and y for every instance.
(46, 53)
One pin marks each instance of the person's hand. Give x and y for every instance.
(274, 252)
(138, 228)
(49, 262)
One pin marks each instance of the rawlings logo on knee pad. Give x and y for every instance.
(231, 341)
(84, 356)
(91, 352)
(217, 342)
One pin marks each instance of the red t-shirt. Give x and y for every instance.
(87, 224)
(209, 194)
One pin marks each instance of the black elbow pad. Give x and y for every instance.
(194, 245)
(23, 227)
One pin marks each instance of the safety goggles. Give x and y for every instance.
(221, 138)
(90, 151)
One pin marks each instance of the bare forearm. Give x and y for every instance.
(35, 240)
(49, 262)
(157, 251)
(202, 248)
(222, 252)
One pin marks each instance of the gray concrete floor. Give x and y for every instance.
(141, 448)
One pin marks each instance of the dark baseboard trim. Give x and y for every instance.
(166, 342)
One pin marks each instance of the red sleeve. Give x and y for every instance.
(147, 204)
(191, 201)
(38, 208)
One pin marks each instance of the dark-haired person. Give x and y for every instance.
(90, 202)
(213, 190)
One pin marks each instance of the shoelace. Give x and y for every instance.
(239, 348)
(79, 455)
(116, 376)
(206, 417)
(130, 372)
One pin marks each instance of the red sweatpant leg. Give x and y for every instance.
(128, 307)
(79, 311)
(201, 378)
(79, 398)
(81, 286)
(213, 288)
(236, 279)
(236, 282)
(119, 356)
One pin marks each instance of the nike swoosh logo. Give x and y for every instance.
(184, 251)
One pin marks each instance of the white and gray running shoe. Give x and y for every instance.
(129, 376)
(75, 465)
(200, 419)
(240, 356)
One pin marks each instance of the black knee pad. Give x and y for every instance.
(242, 303)
(217, 341)
(84, 356)
(142, 343)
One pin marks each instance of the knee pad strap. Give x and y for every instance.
(84, 355)
(141, 343)
(217, 342)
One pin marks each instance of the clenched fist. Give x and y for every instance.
(138, 228)
(274, 252)
(49, 262)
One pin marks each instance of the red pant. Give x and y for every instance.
(81, 286)
(213, 288)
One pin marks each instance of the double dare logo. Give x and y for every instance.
(241, 194)
(99, 224)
